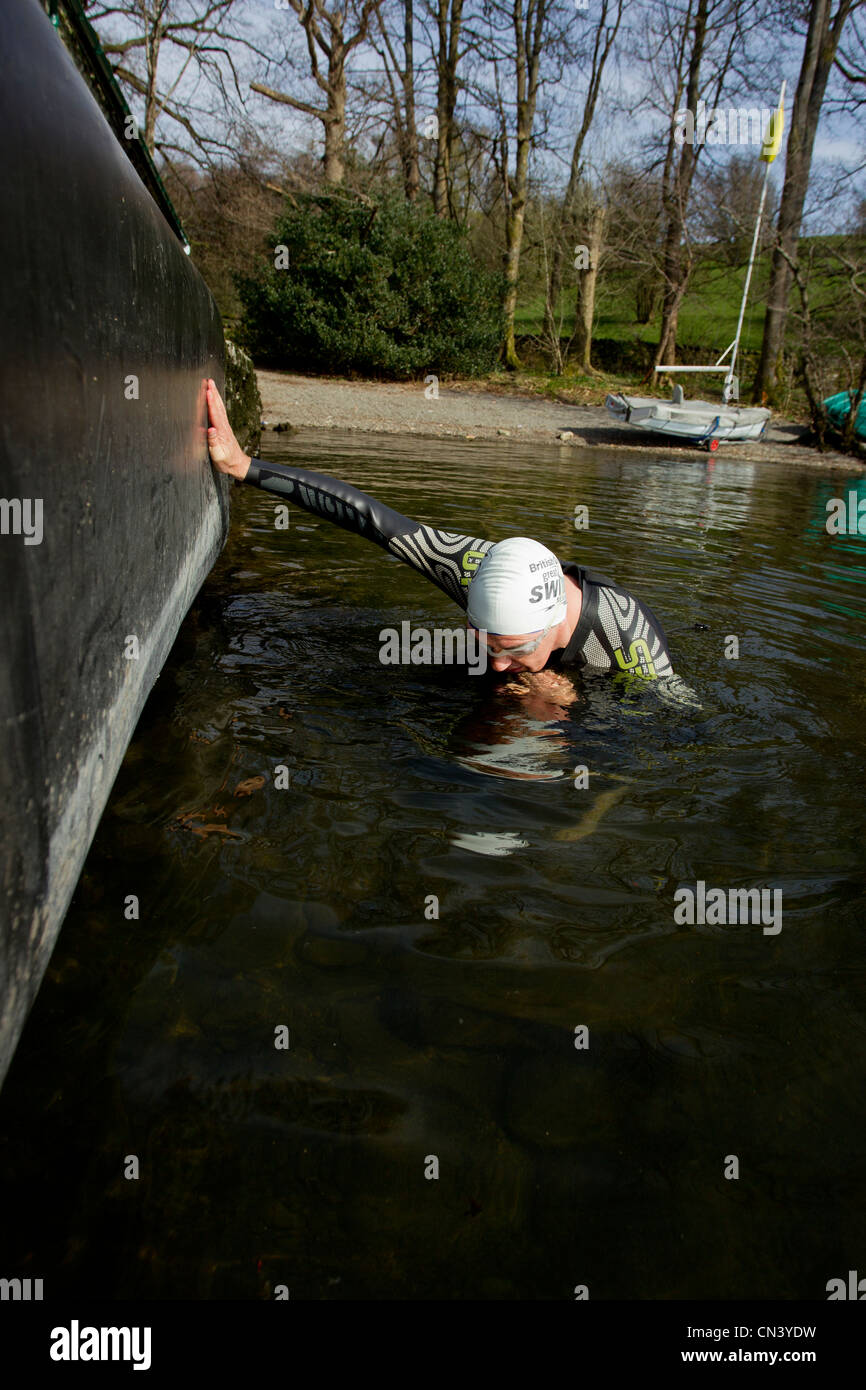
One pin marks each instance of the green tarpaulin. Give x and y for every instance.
(838, 408)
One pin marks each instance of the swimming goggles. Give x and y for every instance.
(525, 649)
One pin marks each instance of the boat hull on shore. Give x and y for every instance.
(696, 421)
(112, 515)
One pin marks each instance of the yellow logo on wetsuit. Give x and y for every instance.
(640, 655)
(471, 560)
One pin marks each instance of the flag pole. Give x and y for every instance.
(768, 153)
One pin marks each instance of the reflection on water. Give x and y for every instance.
(490, 842)
(516, 732)
(431, 899)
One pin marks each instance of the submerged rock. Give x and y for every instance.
(243, 402)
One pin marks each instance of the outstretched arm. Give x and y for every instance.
(448, 559)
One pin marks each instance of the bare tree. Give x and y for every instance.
(518, 32)
(725, 207)
(449, 21)
(602, 42)
(831, 329)
(328, 49)
(191, 42)
(851, 59)
(823, 36)
(633, 232)
(584, 308)
(228, 212)
(697, 36)
(401, 87)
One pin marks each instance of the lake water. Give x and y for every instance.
(413, 1038)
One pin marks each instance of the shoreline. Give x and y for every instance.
(463, 411)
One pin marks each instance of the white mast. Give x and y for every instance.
(770, 149)
(730, 379)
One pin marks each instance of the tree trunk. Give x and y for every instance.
(528, 45)
(602, 45)
(514, 237)
(822, 42)
(411, 172)
(554, 281)
(335, 117)
(336, 48)
(585, 305)
(151, 106)
(856, 396)
(678, 181)
(675, 282)
(511, 261)
(446, 100)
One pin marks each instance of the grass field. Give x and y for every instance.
(708, 317)
(709, 312)
(706, 327)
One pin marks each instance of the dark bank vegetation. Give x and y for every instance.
(377, 287)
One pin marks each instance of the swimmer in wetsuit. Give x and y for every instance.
(533, 612)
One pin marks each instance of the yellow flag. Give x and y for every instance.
(773, 142)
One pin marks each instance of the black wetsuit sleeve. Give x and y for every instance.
(448, 559)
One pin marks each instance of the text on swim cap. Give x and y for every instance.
(552, 588)
(543, 564)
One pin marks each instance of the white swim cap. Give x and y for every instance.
(519, 587)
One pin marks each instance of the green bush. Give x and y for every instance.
(378, 289)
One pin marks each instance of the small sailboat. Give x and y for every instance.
(706, 423)
(702, 422)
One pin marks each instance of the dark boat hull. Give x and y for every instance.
(107, 332)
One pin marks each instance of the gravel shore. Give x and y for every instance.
(464, 412)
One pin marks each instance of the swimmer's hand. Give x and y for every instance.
(226, 454)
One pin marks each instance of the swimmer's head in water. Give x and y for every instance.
(519, 587)
(518, 591)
